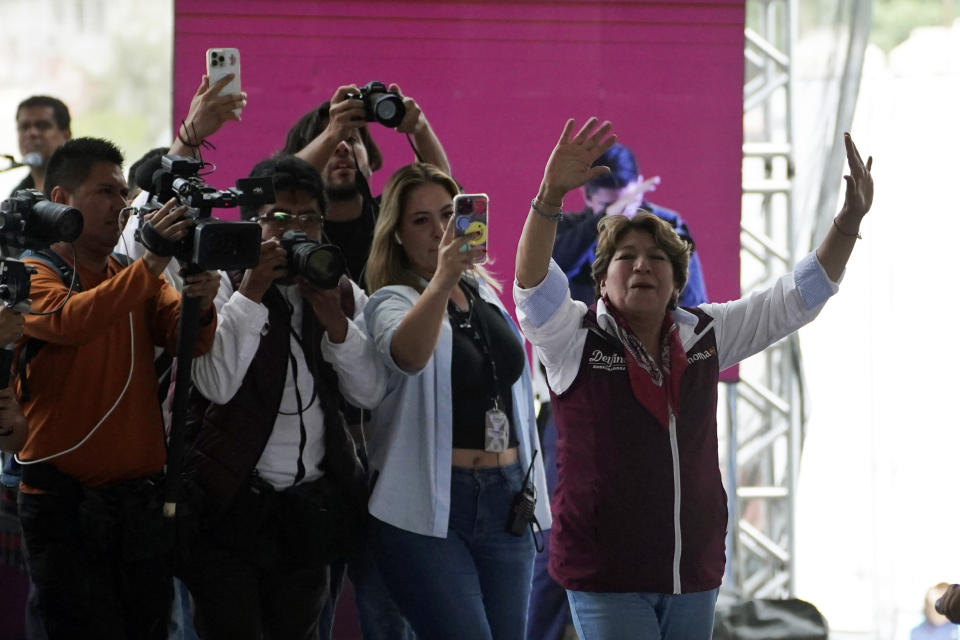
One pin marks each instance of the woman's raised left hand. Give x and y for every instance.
(859, 193)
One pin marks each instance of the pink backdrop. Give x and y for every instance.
(497, 80)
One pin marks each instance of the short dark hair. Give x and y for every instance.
(623, 169)
(132, 187)
(71, 163)
(314, 122)
(60, 112)
(289, 173)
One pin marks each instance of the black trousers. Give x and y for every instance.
(91, 583)
(250, 582)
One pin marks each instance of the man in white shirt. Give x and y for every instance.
(272, 454)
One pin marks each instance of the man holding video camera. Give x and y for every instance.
(335, 139)
(95, 451)
(283, 488)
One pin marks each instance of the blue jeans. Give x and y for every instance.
(643, 616)
(473, 584)
(181, 618)
(378, 615)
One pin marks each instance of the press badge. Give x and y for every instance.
(497, 431)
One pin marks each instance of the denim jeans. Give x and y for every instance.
(475, 583)
(378, 615)
(643, 616)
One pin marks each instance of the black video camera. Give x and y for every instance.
(321, 265)
(380, 105)
(212, 244)
(29, 221)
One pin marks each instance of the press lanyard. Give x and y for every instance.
(496, 424)
(472, 322)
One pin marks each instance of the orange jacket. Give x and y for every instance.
(80, 374)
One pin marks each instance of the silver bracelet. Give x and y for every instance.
(551, 217)
(844, 233)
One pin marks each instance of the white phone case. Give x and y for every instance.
(221, 62)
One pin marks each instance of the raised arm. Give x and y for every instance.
(346, 115)
(836, 247)
(416, 337)
(568, 168)
(424, 139)
(208, 112)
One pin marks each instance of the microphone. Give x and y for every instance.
(145, 172)
(32, 159)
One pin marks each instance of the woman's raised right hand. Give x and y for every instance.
(569, 165)
(454, 256)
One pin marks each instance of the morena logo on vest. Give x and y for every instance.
(706, 354)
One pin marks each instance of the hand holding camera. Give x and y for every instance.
(171, 225)
(203, 285)
(272, 266)
(380, 104)
(346, 112)
(413, 120)
(326, 305)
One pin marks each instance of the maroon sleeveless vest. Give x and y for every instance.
(614, 519)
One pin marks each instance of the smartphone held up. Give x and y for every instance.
(470, 212)
(222, 62)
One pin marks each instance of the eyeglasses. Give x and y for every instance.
(285, 220)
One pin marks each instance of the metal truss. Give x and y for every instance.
(765, 407)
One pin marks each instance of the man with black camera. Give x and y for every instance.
(283, 487)
(43, 124)
(335, 139)
(90, 501)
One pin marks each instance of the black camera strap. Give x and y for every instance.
(155, 242)
(416, 151)
(70, 279)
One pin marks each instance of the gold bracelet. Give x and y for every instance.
(844, 233)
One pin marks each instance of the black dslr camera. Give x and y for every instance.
(29, 221)
(212, 244)
(380, 105)
(321, 265)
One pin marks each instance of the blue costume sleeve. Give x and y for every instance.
(576, 237)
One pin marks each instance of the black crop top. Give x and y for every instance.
(471, 376)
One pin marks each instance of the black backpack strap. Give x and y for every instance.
(33, 345)
(52, 259)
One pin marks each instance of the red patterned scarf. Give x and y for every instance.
(656, 388)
